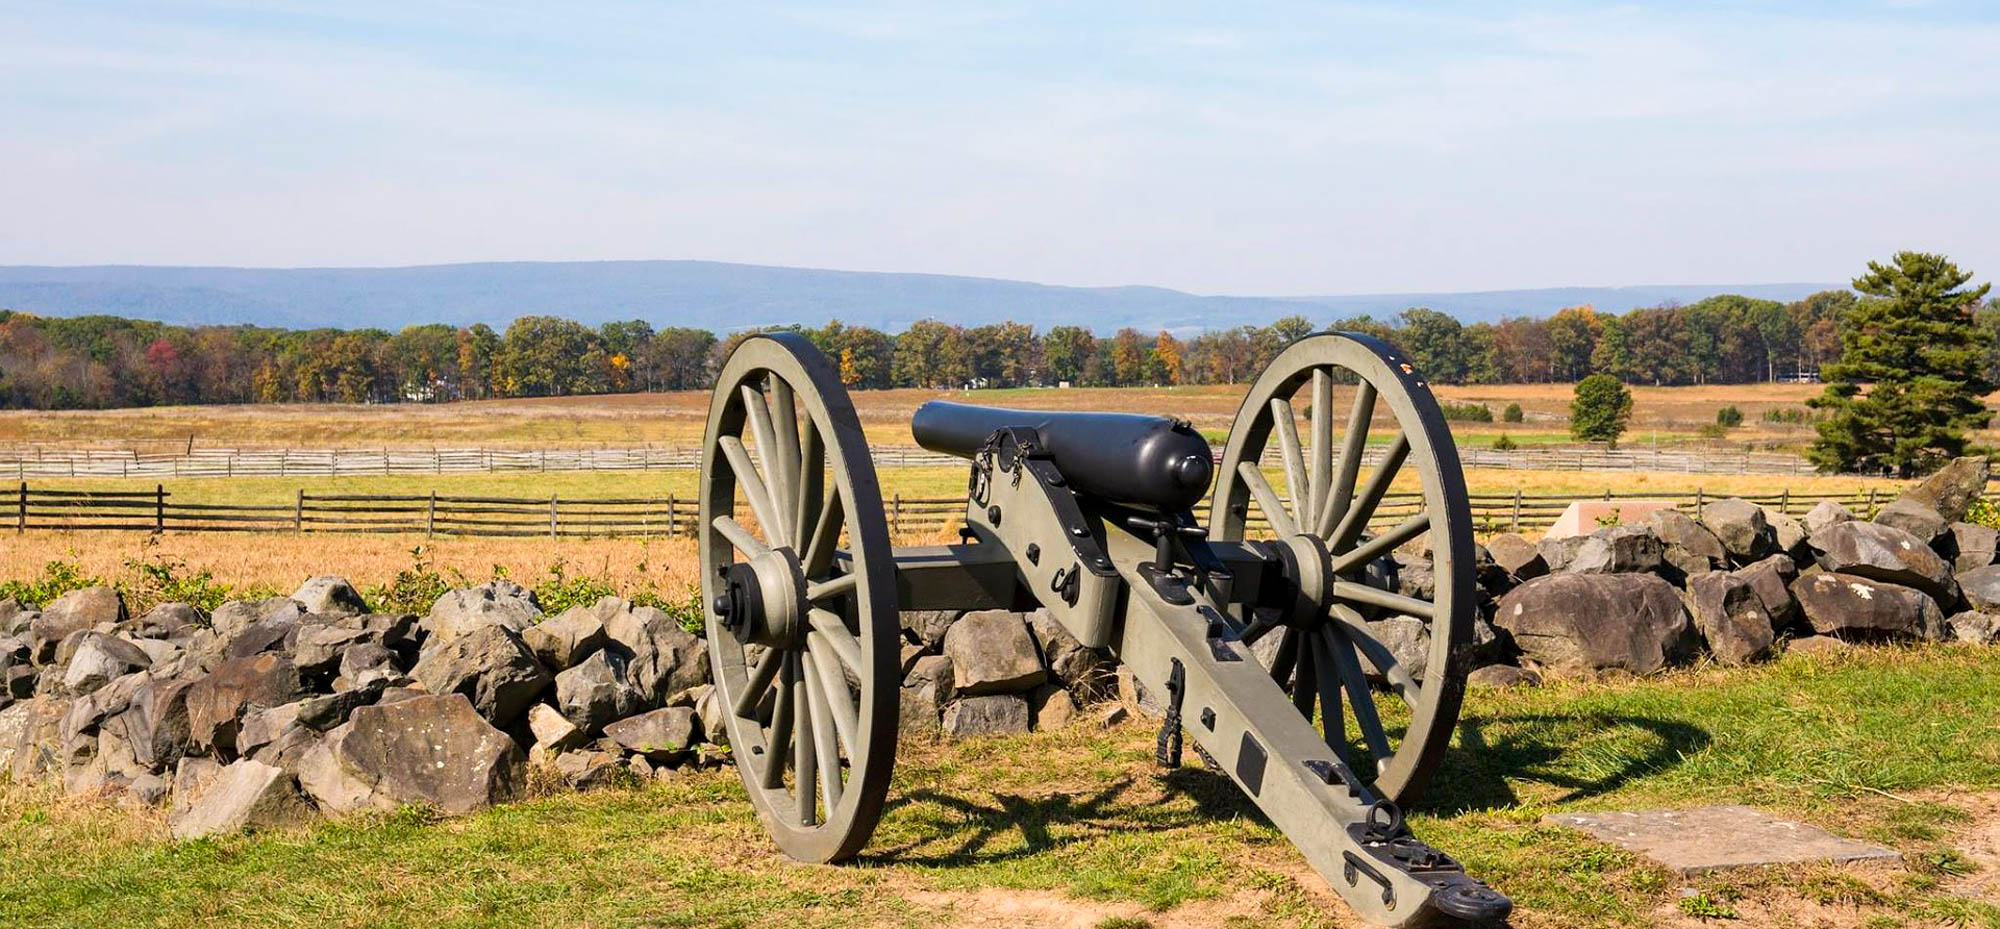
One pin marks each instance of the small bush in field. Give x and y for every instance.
(160, 579)
(1729, 417)
(1512, 414)
(1712, 431)
(1505, 443)
(58, 578)
(413, 589)
(1466, 412)
(559, 591)
(687, 610)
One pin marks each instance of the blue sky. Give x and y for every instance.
(1285, 149)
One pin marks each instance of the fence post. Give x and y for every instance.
(431, 515)
(552, 516)
(159, 508)
(1517, 510)
(673, 521)
(299, 512)
(1785, 501)
(21, 518)
(1698, 501)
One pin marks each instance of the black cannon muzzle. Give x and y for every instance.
(1149, 461)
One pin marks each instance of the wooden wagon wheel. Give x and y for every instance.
(801, 593)
(1330, 535)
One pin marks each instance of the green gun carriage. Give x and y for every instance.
(1091, 517)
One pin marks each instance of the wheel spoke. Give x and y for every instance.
(759, 680)
(759, 408)
(1358, 698)
(1303, 690)
(832, 587)
(785, 470)
(1335, 503)
(833, 684)
(1257, 629)
(826, 534)
(778, 745)
(1351, 592)
(1267, 499)
(1322, 446)
(844, 644)
(811, 487)
(740, 537)
(1332, 723)
(1295, 463)
(1350, 625)
(827, 754)
(752, 483)
(805, 748)
(1382, 544)
(1287, 657)
(1363, 508)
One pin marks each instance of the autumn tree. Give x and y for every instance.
(1913, 344)
(1600, 410)
(1066, 353)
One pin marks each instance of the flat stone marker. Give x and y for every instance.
(1714, 838)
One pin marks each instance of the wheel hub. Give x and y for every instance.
(763, 601)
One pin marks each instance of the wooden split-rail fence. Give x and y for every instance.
(556, 516)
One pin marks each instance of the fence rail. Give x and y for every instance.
(555, 516)
(45, 462)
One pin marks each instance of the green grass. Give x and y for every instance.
(1860, 743)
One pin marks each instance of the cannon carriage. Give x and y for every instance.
(1259, 641)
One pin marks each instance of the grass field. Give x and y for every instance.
(1077, 828)
(1662, 414)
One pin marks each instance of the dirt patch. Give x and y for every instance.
(996, 908)
(1979, 842)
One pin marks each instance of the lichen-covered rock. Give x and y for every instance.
(991, 652)
(1772, 579)
(1741, 527)
(240, 797)
(163, 621)
(1407, 639)
(1689, 544)
(1583, 623)
(1885, 553)
(1787, 533)
(98, 659)
(236, 615)
(436, 750)
(1981, 588)
(1975, 628)
(1914, 517)
(1502, 676)
(1730, 616)
(665, 659)
(1950, 491)
(1077, 667)
(566, 638)
(1557, 553)
(1517, 556)
(216, 703)
(929, 626)
(155, 723)
(992, 714)
(597, 691)
(1617, 550)
(71, 613)
(490, 666)
(330, 595)
(500, 603)
(1851, 606)
(665, 736)
(1823, 514)
(925, 692)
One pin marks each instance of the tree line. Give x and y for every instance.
(108, 361)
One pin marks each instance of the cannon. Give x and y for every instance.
(1255, 628)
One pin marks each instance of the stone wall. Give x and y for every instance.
(274, 712)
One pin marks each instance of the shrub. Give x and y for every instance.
(58, 578)
(1505, 443)
(1712, 431)
(413, 589)
(687, 610)
(1466, 412)
(1789, 415)
(159, 579)
(559, 591)
(1600, 411)
(1512, 414)
(1729, 417)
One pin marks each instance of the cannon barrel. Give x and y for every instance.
(1149, 461)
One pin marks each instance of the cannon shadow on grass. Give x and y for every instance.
(1579, 755)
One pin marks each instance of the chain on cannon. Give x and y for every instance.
(1255, 628)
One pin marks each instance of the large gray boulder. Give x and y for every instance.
(1885, 553)
(1407, 638)
(1583, 623)
(30, 733)
(1916, 518)
(928, 627)
(553, 732)
(98, 659)
(1517, 556)
(1068, 660)
(73, 612)
(991, 652)
(216, 703)
(1558, 553)
(1951, 490)
(598, 690)
(1981, 587)
(665, 659)
(321, 648)
(499, 603)
(1850, 606)
(566, 638)
(435, 750)
(1787, 533)
(1973, 628)
(1823, 514)
(1772, 579)
(243, 796)
(164, 621)
(925, 692)
(1741, 527)
(330, 595)
(1618, 550)
(1730, 616)
(236, 615)
(155, 723)
(490, 666)
(1973, 546)
(1689, 544)
(992, 714)
(664, 736)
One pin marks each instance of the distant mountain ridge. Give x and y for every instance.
(722, 297)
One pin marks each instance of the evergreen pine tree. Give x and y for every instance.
(1915, 347)
(1600, 410)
